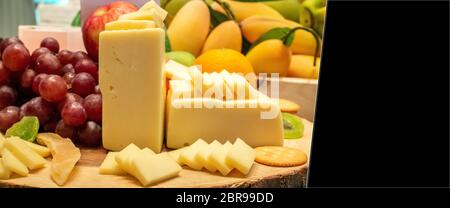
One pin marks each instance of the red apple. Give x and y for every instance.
(95, 24)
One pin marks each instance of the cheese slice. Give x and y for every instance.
(203, 155)
(13, 164)
(132, 82)
(218, 158)
(4, 172)
(65, 156)
(39, 149)
(124, 157)
(175, 154)
(24, 153)
(188, 156)
(109, 165)
(151, 169)
(241, 156)
(130, 25)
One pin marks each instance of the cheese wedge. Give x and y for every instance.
(65, 156)
(24, 153)
(188, 156)
(109, 166)
(203, 155)
(175, 154)
(124, 158)
(13, 164)
(151, 169)
(241, 156)
(4, 172)
(130, 25)
(218, 158)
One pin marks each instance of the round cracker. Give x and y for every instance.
(280, 156)
(288, 106)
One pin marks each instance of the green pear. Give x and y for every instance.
(288, 8)
(172, 7)
(312, 14)
(181, 57)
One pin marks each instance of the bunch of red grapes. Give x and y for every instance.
(60, 88)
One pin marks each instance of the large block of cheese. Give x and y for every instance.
(241, 156)
(133, 88)
(223, 107)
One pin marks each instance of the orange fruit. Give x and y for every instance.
(216, 60)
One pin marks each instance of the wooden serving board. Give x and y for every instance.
(86, 174)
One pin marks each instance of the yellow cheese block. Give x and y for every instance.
(4, 172)
(132, 82)
(188, 156)
(124, 157)
(130, 25)
(151, 169)
(109, 166)
(24, 153)
(65, 156)
(218, 158)
(13, 164)
(203, 155)
(175, 154)
(241, 156)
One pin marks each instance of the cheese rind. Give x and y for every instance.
(241, 156)
(24, 153)
(203, 155)
(4, 172)
(154, 169)
(109, 165)
(133, 88)
(218, 158)
(188, 156)
(13, 164)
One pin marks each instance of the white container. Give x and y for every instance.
(69, 38)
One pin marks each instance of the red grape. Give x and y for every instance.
(26, 80)
(70, 97)
(93, 106)
(73, 114)
(36, 81)
(50, 43)
(16, 57)
(36, 53)
(37, 107)
(8, 96)
(8, 41)
(67, 68)
(90, 134)
(97, 90)
(9, 116)
(77, 56)
(48, 63)
(53, 88)
(4, 74)
(86, 65)
(50, 126)
(66, 131)
(64, 56)
(83, 84)
(68, 77)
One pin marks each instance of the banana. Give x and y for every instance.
(254, 27)
(243, 10)
(190, 27)
(225, 35)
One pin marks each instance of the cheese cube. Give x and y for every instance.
(129, 25)
(24, 153)
(218, 158)
(4, 172)
(188, 156)
(175, 154)
(203, 155)
(154, 169)
(39, 149)
(13, 164)
(241, 156)
(124, 157)
(132, 82)
(110, 166)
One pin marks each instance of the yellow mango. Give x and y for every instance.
(270, 56)
(302, 66)
(243, 10)
(226, 35)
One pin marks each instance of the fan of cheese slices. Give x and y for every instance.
(150, 168)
